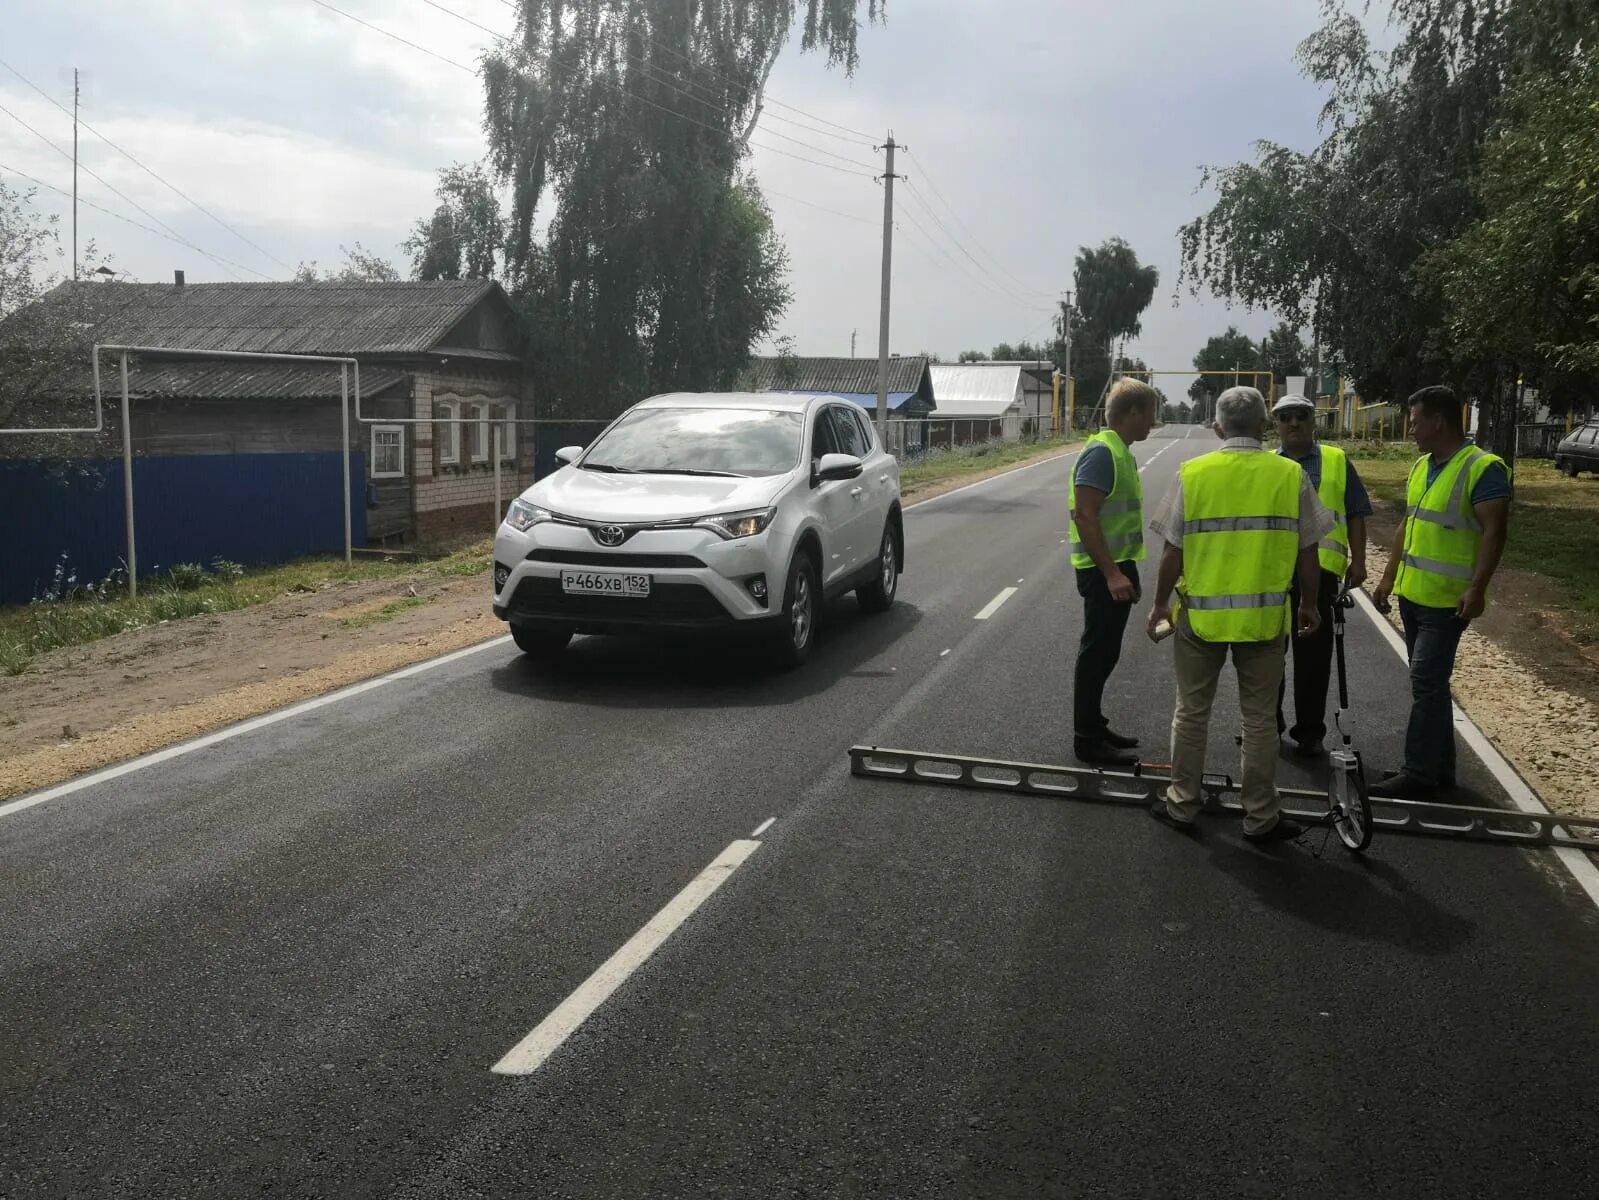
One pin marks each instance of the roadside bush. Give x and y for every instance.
(188, 577)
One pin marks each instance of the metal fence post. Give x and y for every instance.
(344, 422)
(127, 483)
(497, 451)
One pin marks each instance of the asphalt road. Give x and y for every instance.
(285, 964)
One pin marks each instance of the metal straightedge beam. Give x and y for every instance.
(1460, 821)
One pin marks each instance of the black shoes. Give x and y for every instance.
(1161, 813)
(1286, 830)
(1119, 740)
(1309, 747)
(1402, 785)
(1103, 753)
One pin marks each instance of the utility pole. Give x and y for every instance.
(1066, 338)
(888, 259)
(852, 333)
(74, 174)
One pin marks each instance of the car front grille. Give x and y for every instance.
(591, 558)
(666, 602)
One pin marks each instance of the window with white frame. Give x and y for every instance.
(478, 431)
(447, 432)
(507, 416)
(388, 451)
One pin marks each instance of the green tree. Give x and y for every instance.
(1229, 351)
(1112, 291)
(628, 121)
(47, 330)
(466, 233)
(1283, 352)
(360, 266)
(971, 356)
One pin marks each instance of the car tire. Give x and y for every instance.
(1569, 467)
(538, 643)
(802, 604)
(878, 596)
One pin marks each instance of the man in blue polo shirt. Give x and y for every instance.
(1342, 555)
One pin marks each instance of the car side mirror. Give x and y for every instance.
(567, 455)
(836, 466)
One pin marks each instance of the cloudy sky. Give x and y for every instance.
(1034, 127)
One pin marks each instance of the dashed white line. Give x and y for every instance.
(764, 826)
(941, 653)
(534, 1050)
(992, 606)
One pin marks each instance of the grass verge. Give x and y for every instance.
(87, 614)
(1554, 526)
(387, 613)
(942, 465)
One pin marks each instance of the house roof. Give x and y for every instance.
(975, 389)
(838, 376)
(191, 380)
(292, 318)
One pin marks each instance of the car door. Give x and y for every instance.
(865, 523)
(881, 478)
(1587, 449)
(831, 501)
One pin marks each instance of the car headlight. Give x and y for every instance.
(739, 524)
(523, 516)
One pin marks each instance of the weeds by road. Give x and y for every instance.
(76, 615)
(939, 466)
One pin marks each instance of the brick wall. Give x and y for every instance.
(465, 490)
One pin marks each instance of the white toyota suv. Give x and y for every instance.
(715, 512)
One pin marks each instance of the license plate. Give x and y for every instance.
(604, 583)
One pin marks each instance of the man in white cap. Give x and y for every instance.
(1342, 554)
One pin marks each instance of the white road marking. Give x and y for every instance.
(1021, 581)
(1156, 455)
(764, 826)
(992, 606)
(233, 731)
(1002, 475)
(942, 653)
(534, 1050)
(1577, 862)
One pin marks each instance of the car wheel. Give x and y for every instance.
(801, 605)
(878, 595)
(540, 643)
(1569, 466)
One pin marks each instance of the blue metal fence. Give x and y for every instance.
(249, 508)
(549, 438)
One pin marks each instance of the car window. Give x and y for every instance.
(722, 441)
(851, 438)
(866, 428)
(1589, 436)
(824, 440)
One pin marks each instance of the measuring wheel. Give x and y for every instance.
(1349, 805)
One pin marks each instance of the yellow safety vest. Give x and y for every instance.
(1121, 517)
(1442, 533)
(1334, 492)
(1240, 544)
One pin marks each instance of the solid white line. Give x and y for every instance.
(531, 1052)
(992, 606)
(233, 731)
(1577, 862)
(764, 826)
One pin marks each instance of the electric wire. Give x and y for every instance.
(993, 281)
(933, 187)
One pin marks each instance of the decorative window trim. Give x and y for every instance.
(447, 419)
(480, 444)
(399, 445)
(507, 419)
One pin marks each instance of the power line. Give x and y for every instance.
(91, 204)
(148, 171)
(467, 19)
(932, 243)
(928, 179)
(821, 207)
(178, 237)
(954, 241)
(395, 36)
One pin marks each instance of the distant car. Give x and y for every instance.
(1579, 450)
(728, 513)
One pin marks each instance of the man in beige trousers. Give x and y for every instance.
(1238, 524)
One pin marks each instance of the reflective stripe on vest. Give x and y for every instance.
(1333, 550)
(1240, 543)
(1442, 533)
(1121, 517)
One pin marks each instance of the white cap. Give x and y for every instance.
(1288, 402)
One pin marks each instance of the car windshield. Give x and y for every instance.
(700, 441)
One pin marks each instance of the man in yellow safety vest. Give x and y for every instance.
(1444, 555)
(1343, 564)
(1239, 525)
(1107, 515)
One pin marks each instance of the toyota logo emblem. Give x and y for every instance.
(610, 535)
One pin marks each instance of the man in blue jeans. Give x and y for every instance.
(1457, 506)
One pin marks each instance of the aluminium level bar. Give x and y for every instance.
(1427, 818)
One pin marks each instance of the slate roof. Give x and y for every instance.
(838, 375)
(180, 380)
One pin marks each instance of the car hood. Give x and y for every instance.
(597, 496)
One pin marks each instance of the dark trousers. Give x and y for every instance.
(1312, 664)
(1104, 621)
(1432, 636)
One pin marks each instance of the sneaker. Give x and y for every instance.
(1286, 830)
(1161, 813)
(1119, 740)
